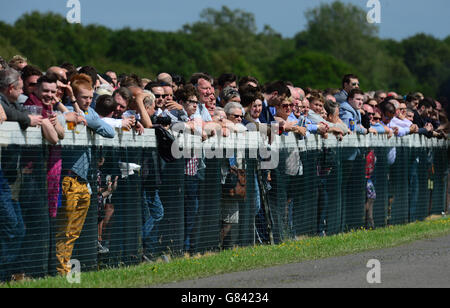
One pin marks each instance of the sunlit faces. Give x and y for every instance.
(15, 90)
(296, 100)
(190, 106)
(372, 103)
(295, 95)
(357, 101)
(402, 111)
(235, 115)
(381, 97)
(21, 65)
(159, 96)
(305, 107)
(352, 84)
(414, 103)
(376, 118)
(30, 84)
(168, 92)
(316, 105)
(210, 104)
(297, 108)
(425, 112)
(113, 77)
(84, 98)
(284, 109)
(205, 90)
(256, 109)
(387, 117)
(368, 110)
(219, 116)
(121, 106)
(46, 92)
(150, 108)
(410, 115)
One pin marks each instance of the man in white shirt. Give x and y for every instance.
(400, 121)
(204, 85)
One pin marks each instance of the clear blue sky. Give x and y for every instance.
(399, 18)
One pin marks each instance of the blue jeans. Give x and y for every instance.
(191, 196)
(260, 219)
(153, 214)
(12, 230)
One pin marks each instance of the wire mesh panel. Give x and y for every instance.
(309, 194)
(207, 224)
(439, 179)
(398, 182)
(248, 206)
(109, 202)
(33, 198)
(422, 179)
(379, 179)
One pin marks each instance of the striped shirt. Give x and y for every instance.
(191, 166)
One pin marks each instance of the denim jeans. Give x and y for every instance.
(153, 214)
(12, 230)
(191, 196)
(260, 220)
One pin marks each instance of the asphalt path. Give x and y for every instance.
(421, 264)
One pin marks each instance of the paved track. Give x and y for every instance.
(422, 264)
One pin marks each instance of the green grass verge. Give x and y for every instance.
(240, 259)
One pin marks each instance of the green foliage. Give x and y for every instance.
(6, 50)
(429, 59)
(233, 44)
(338, 29)
(337, 40)
(311, 69)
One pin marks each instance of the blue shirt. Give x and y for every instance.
(379, 128)
(203, 113)
(99, 126)
(266, 115)
(78, 159)
(311, 128)
(347, 112)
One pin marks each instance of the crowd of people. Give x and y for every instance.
(63, 97)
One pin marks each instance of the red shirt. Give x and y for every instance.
(33, 100)
(370, 163)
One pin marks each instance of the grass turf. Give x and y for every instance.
(246, 258)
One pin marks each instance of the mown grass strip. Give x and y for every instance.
(246, 258)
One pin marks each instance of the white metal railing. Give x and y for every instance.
(10, 133)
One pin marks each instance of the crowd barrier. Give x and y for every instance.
(316, 187)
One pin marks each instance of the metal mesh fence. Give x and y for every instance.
(132, 206)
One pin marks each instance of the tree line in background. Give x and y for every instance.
(337, 40)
